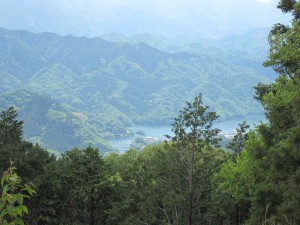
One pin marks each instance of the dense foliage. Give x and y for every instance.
(151, 186)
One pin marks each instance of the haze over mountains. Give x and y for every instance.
(90, 89)
(137, 63)
(92, 18)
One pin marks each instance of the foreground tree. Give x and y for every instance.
(192, 132)
(282, 105)
(81, 179)
(30, 161)
(13, 195)
(267, 172)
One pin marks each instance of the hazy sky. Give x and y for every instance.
(168, 17)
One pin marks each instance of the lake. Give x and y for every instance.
(159, 131)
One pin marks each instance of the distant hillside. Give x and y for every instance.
(52, 124)
(92, 89)
(254, 42)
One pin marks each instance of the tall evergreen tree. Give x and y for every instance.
(274, 148)
(193, 130)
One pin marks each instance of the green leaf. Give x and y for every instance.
(20, 199)
(3, 213)
(5, 188)
(19, 211)
(29, 190)
(7, 199)
(19, 221)
(24, 209)
(10, 210)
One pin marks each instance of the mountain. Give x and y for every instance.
(51, 123)
(90, 89)
(249, 49)
(254, 41)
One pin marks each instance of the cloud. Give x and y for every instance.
(264, 1)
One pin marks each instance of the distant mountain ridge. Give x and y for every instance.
(103, 87)
(253, 42)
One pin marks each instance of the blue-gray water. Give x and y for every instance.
(159, 131)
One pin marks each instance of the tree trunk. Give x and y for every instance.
(190, 177)
(92, 209)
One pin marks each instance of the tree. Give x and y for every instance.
(286, 5)
(13, 194)
(274, 147)
(82, 180)
(239, 139)
(193, 130)
(136, 179)
(30, 161)
(10, 128)
(168, 184)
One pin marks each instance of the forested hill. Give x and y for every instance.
(95, 89)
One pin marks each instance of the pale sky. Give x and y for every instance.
(169, 17)
(265, 1)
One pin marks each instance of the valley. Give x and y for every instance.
(157, 132)
(125, 112)
(77, 91)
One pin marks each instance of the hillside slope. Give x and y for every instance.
(115, 84)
